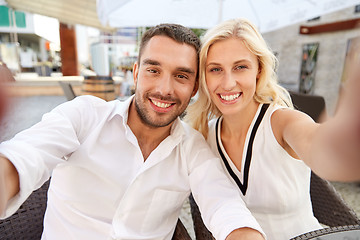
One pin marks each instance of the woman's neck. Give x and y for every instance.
(237, 125)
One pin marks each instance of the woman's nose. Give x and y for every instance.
(228, 82)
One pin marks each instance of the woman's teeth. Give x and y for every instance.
(230, 97)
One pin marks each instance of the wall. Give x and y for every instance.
(287, 43)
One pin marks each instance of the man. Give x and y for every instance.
(123, 170)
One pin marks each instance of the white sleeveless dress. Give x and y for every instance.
(274, 185)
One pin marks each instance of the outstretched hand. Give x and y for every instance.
(5, 76)
(341, 136)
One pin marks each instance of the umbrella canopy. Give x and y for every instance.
(66, 11)
(268, 15)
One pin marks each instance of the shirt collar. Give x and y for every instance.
(177, 129)
(122, 109)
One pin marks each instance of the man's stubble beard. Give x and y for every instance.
(146, 118)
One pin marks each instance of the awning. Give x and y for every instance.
(82, 12)
(267, 15)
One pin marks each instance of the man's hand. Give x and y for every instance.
(245, 234)
(9, 182)
(5, 76)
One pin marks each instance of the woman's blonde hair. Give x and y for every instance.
(267, 88)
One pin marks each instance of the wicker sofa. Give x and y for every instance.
(27, 222)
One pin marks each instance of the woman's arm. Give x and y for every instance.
(330, 149)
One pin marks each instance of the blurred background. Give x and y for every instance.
(46, 41)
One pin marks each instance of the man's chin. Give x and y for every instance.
(155, 119)
(155, 123)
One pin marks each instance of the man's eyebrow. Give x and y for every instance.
(186, 70)
(148, 61)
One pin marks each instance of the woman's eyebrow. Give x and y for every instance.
(234, 63)
(213, 64)
(242, 61)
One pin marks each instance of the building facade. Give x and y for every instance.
(312, 55)
(22, 48)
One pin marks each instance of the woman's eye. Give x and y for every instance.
(241, 67)
(215, 69)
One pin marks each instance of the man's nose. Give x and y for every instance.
(166, 85)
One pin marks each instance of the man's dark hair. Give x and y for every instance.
(176, 32)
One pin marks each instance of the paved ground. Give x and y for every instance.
(26, 111)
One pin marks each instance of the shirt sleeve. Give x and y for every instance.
(36, 151)
(218, 198)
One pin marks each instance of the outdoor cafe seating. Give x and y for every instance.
(27, 222)
(332, 233)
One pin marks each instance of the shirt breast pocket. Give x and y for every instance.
(164, 210)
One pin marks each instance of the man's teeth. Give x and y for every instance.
(161, 104)
(230, 97)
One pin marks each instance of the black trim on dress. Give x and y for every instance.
(243, 186)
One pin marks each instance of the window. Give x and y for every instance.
(357, 8)
(308, 67)
(4, 16)
(352, 53)
(20, 19)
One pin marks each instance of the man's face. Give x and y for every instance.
(165, 80)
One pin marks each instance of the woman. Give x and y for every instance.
(267, 147)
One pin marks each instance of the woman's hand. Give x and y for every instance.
(340, 136)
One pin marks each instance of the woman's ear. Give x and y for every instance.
(259, 72)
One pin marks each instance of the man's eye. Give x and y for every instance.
(152, 71)
(182, 76)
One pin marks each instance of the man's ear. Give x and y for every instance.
(135, 72)
(196, 88)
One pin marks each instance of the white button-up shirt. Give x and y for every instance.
(101, 187)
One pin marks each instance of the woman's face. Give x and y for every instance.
(231, 71)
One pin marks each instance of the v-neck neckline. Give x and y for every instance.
(246, 156)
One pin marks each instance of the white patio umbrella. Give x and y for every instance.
(268, 15)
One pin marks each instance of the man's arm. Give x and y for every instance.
(222, 209)
(9, 182)
(245, 234)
